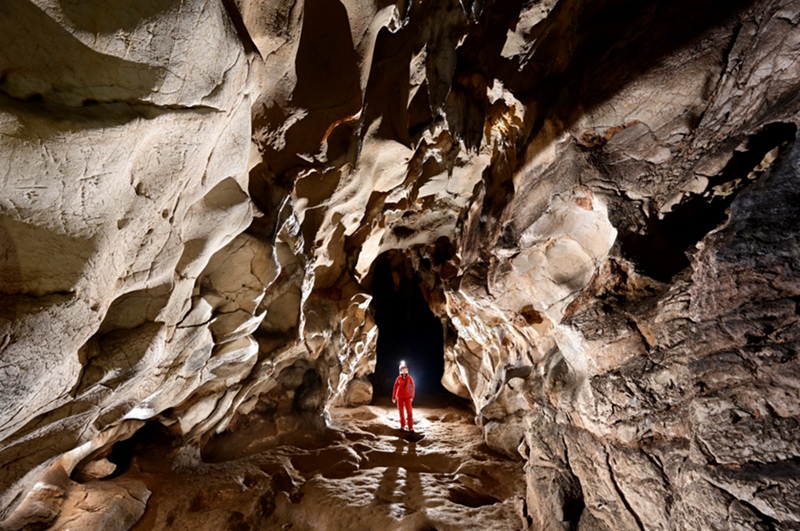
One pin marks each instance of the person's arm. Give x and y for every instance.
(394, 391)
(411, 381)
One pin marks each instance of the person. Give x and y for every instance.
(403, 396)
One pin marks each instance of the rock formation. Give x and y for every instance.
(598, 200)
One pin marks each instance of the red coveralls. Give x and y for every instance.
(403, 392)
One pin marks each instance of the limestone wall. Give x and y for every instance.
(600, 198)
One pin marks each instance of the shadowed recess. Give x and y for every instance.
(62, 64)
(661, 250)
(407, 329)
(328, 83)
(114, 15)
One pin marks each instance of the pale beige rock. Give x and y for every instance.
(124, 173)
(359, 393)
(92, 470)
(103, 505)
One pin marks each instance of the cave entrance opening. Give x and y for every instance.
(407, 330)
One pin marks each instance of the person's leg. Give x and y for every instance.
(402, 413)
(410, 413)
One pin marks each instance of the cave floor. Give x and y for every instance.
(358, 473)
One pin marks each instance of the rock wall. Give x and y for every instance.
(600, 198)
(125, 141)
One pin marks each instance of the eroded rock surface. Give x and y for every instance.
(360, 472)
(599, 199)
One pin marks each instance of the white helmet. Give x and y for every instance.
(403, 364)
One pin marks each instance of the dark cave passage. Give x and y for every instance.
(407, 329)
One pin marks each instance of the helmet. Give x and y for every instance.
(403, 364)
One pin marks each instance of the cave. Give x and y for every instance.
(223, 224)
(407, 329)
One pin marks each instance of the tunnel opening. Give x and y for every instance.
(407, 331)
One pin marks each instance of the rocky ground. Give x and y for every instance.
(359, 472)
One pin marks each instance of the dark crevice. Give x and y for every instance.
(660, 249)
(737, 28)
(402, 232)
(420, 115)
(151, 443)
(573, 503)
(238, 23)
(470, 498)
(621, 495)
(772, 524)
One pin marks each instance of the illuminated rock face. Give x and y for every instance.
(600, 200)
